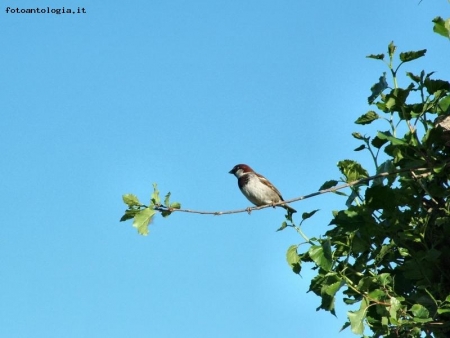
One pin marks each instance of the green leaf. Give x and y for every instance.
(395, 306)
(367, 118)
(346, 325)
(332, 289)
(129, 214)
(413, 77)
(307, 215)
(441, 26)
(327, 303)
(391, 49)
(366, 283)
(386, 166)
(155, 199)
(354, 195)
(283, 226)
(359, 245)
(349, 220)
(357, 318)
(321, 255)
(361, 147)
(328, 184)
(439, 167)
(410, 56)
(352, 170)
(432, 255)
(422, 320)
(384, 279)
(358, 136)
(349, 301)
(167, 200)
(340, 193)
(378, 295)
(420, 311)
(403, 252)
(317, 283)
(142, 220)
(396, 99)
(378, 88)
(434, 86)
(166, 213)
(444, 105)
(292, 255)
(131, 200)
(380, 197)
(388, 136)
(375, 56)
(326, 287)
(382, 106)
(377, 142)
(293, 258)
(175, 205)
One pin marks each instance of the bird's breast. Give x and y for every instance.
(257, 192)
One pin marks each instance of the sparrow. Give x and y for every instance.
(257, 188)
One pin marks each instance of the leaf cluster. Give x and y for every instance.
(388, 251)
(142, 214)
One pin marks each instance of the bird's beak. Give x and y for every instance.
(231, 171)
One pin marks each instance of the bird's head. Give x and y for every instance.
(240, 169)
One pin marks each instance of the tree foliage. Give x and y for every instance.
(388, 250)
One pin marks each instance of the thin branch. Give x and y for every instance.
(423, 186)
(320, 192)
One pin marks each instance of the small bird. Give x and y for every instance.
(257, 188)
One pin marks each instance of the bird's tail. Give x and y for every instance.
(289, 208)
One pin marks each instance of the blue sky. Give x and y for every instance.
(100, 104)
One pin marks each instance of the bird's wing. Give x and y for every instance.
(270, 185)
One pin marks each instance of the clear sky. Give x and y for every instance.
(108, 102)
